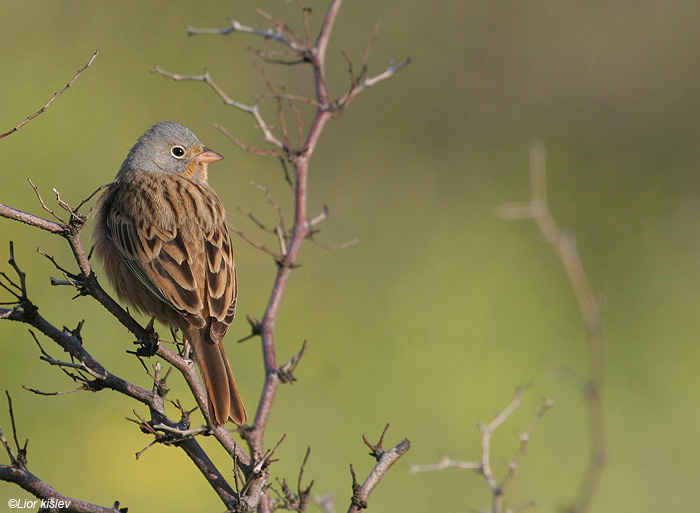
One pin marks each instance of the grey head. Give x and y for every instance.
(169, 147)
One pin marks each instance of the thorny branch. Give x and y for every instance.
(385, 460)
(292, 500)
(564, 246)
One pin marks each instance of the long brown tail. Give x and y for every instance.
(224, 400)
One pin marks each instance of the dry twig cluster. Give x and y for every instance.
(484, 466)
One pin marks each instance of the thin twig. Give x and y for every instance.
(291, 97)
(487, 431)
(391, 70)
(255, 244)
(280, 113)
(444, 463)
(7, 447)
(253, 110)
(274, 34)
(333, 247)
(247, 147)
(273, 203)
(18, 290)
(524, 438)
(56, 95)
(61, 392)
(255, 220)
(20, 459)
(43, 204)
(287, 370)
(280, 58)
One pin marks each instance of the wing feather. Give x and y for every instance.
(185, 260)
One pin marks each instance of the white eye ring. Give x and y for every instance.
(177, 151)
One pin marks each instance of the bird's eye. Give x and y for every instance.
(177, 151)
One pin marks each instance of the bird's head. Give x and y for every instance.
(170, 147)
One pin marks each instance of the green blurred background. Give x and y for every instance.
(443, 309)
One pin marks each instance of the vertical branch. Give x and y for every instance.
(565, 248)
(300, 230)
(319, 52)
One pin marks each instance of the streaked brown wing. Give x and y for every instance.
(185, 260)
(222, 287)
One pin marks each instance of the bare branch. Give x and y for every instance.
(287, 370)
(565, 248)
(7, 447)
(23, 217)
(247, 147)
(19, 290)
(356, 89)
(62, 392)
(255, 220)
(49, 497)
(276, 34)
(56, 95)
(43, 204)
(384, 462)
(281, 58)
(253, 110)
(313, 222)
(255, 244)
(57, 265)
(332, 247)
(292, 98)
(524, 438)
(444, 463)
(486, 435)
(484, 465)
(292, 500)
(273, 203)
(20, 459)
(17, 473)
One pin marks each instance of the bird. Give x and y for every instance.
(161, 234)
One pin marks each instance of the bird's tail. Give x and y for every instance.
(224, 400)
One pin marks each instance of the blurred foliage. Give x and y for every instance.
(442, 309)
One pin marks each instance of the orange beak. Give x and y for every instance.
(208, 156)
